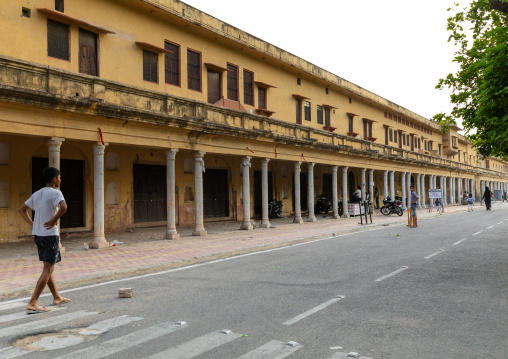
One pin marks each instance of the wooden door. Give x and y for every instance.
(149, 193)
(214, 86)
(215, 193)
(327, 186)
(299, 112)
(88, 53)
(258, 203)
(72, 187)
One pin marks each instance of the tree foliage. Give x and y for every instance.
(480, 87)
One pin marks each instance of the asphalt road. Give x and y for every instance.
(437, 291)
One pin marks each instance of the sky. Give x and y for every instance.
(396, 49)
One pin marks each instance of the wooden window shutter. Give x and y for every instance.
(150, 66)
(233, 82)
(194, 70)
(248, 87)
(306, 107)
(319, 115)
(58, 40)
(172, 64)
(327, 116)
(262, 98)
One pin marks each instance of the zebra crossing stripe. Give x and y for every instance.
(340, 355)
(197, 346)
(105, 325)
(12, 352)
(124, 342)
(7, 306)
(22, 315)
(312, 311)
(43, 323)
(271, 350)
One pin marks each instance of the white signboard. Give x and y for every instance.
(435, 193)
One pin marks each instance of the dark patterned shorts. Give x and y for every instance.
(48, 248)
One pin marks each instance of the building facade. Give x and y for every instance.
(159, 114)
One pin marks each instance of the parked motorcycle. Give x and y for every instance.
(323, 204)
(275, 208)
(390, 206)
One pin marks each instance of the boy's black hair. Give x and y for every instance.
(49, 173)
(412, 187)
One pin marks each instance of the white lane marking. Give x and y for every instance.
(391, 274)
(489, 227)
(340, 355)
(271, 350)
(23, 315)
(313, 310)
(44, 322)
(11, 305)
(12, 352)
(433, 254)
(474, 234)
(197, 346)
(500, 222)
(105, 325)
(459, 242)
(202, 264)
(124, 342)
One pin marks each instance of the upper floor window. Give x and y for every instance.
(248, 87)
(395, 136)
(172, 64)
(327, 116)
(350, 124)
(194, 70)
(150, 66)
(391, 134)
(319, 114)
(58, 40)
(232, 82)
(59, 5)
(262, 98)
(306, 109)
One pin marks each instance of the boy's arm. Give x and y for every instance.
(56, 217)
(24, 214)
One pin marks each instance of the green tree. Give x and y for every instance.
(480, 87)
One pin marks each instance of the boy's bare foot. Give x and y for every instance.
(61, 301)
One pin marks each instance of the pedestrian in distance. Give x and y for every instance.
(376, 196)
(49, 205)
(504, 196)
(487, 198)
(470, 201)
(414, 200)
(438, 204)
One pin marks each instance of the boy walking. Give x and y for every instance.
(414, 200)
(49, 205)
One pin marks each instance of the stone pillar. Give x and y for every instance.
(408, 192)
(459, 190)
(171, 232)
(419, 191)
(473, 188)
(451, 190)
(335, 196)
(345, 213)
(54, 149)
(371, 188)
(310, 192)
(99, 241)
(298, 205)
(403, 184)
(364, 184)
(247, 223)
(385, 184)
(392, 185)
(265, 220)
(423, 194)
(199, 168)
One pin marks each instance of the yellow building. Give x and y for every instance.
(159, 114)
